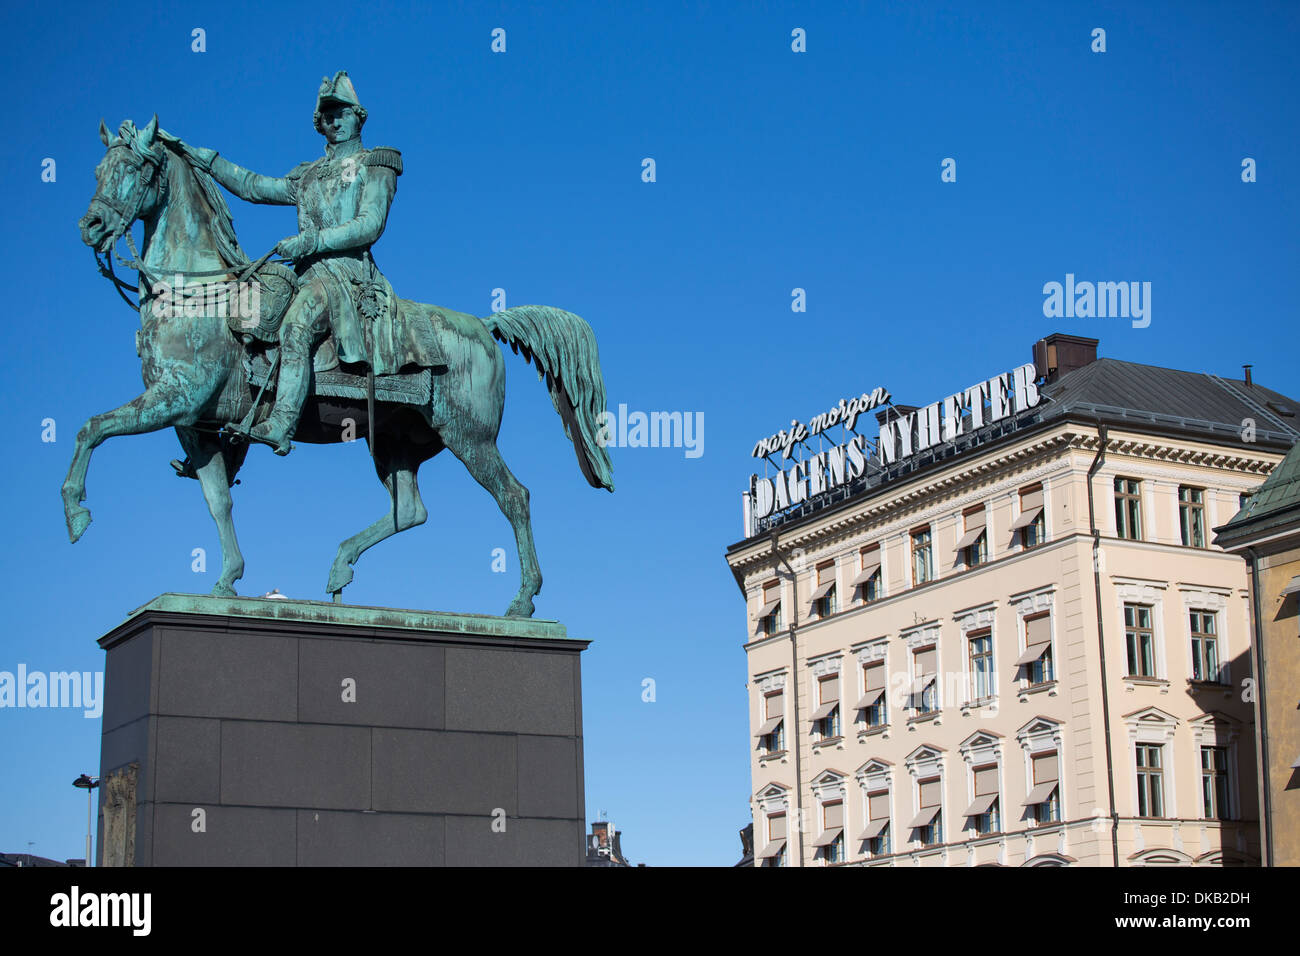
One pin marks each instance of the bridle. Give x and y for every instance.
(147, 172)
(107, 196)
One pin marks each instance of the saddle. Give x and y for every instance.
(277, 285)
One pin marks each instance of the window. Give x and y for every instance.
(928, 822)
(873, 703)
(973, 544)
(774, 853)
(983, 812)
(831, 840)
(1044, 796)
(980, 646)
(1205, 647)
(869, 578)
(769, 615)
(877, 834)
(1191, 516)
(1036, 661)
(1214, 783)
(925, 667)
(1150, 780)
(823, 598)
(1141, 640)
(826, 718)
(1031, 525)
(922, 566)
(1128, 508)
(771, 734)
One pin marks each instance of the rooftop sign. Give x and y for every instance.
(845, 413)
(899, 438)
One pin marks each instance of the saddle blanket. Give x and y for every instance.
(406, 388)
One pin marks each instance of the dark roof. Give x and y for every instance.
(1168, 400)
(747, 846)
(1275, 504)
(27, 859)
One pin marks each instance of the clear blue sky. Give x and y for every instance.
(775, 170)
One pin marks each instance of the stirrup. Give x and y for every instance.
(239, 431)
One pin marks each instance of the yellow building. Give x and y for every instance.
(1000, 634)
(1266, 532)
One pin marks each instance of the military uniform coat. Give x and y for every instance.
(343, 198)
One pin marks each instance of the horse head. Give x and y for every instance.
(130, 183)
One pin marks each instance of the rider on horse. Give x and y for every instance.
(343, 200)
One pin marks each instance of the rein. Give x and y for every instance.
(135, 263)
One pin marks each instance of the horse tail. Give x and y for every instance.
(563, 348)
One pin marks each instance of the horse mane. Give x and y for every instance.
(223, 224)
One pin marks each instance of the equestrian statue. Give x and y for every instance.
(237, 352)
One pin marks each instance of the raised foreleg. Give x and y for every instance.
(158, 407)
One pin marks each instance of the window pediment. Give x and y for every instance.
(1041, 733)
(979, 743)
(829, 664)
(1151, 725)
(925, 759)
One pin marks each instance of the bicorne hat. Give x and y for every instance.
(337, 90)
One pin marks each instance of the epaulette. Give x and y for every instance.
(384, 156)
(298, 171)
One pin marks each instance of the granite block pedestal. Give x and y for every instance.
(256, 731)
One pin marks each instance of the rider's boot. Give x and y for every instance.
(290, 392)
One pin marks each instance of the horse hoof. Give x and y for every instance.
(520, 607)
(223, 590)
(78, 522)
(340, 577)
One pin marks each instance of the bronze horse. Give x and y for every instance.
(191, 365)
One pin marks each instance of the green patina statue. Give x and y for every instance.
(234, 350)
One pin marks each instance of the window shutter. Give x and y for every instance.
(1031, 498)
(878, 805)
(825, 574)
(875, 675)
(927, 661)
(870, 565)
(986, 781)
(833, 813)
(929, 793)
(975, 519)
(1038, 630)
(776, 825)
(775, 705)
(1045, 768)
(829, 688)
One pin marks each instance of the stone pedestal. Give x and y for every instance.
(255, 731)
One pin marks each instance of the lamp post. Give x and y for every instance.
(87, 783)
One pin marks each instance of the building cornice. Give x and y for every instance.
(991, 474)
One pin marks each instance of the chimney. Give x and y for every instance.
(891, 413)
(1059, 354)
(1249, 380)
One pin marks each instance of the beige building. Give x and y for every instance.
(1002, 635)
(1266, 532)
